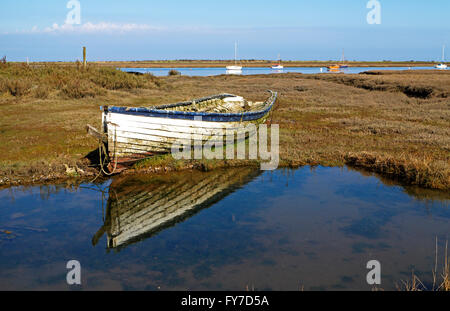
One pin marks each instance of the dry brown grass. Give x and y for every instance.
(324, 120)
(68, 81)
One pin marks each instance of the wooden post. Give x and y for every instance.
(84, 57)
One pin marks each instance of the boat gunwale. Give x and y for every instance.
(210, 116)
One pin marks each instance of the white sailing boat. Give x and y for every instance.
(442, 65)
(235, 67)
(278, 66)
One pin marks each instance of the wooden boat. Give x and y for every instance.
(139, 207)
(130, 134)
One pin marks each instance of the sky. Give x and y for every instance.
(40, 30)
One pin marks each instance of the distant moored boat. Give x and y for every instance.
(278, 66)
(234, 67)
(336, 67)
(442, 65)
(343, 64)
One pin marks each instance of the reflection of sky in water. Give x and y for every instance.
(315, 228)
(259, 70)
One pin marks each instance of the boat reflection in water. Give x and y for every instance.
(140, 206)
(234, 71)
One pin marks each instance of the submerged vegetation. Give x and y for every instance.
(392, 123)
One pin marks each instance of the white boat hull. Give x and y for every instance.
(136, 133)
(130, 135)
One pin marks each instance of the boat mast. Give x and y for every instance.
(235, 53)
(443, 53)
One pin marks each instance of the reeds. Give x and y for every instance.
(441, 281)
(445, 285)
(69, 81)
(421, 171)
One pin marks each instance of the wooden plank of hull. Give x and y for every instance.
(172, 130)
(130, 148)
(118, 118)
(130, 135)
(170, 125)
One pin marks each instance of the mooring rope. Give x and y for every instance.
(102, 149)
(115, 156)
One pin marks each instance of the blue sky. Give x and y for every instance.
(199, 29)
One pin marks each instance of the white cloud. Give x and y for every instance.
(102, 27)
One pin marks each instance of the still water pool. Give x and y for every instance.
(310, 228)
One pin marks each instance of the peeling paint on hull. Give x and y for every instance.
(137, 133)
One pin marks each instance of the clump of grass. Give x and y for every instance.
(424, 172)
(413, 285)
(18, 87)
(174, 72)
(41, 92)
(163, 160)
(117, 80)
(3, 86)
(81, 89)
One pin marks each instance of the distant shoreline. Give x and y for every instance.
(244, 63)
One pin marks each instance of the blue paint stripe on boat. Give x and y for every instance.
(190, 115)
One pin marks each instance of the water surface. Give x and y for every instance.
(223, 230)
(260, 70)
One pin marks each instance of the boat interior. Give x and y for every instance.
(226, 103)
